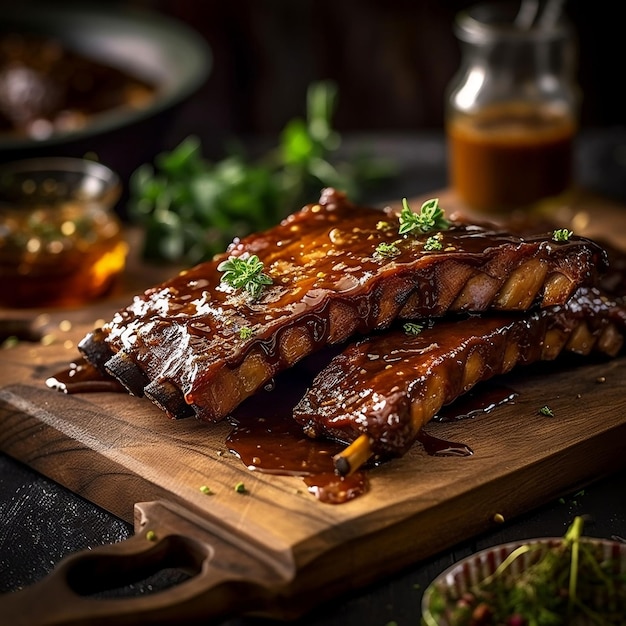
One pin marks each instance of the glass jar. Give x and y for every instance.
(512, 108)
(61, 242)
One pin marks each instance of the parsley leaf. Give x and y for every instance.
(562, 234)
(430, 218)
(245, 273)
(387, 250)
(411, 328)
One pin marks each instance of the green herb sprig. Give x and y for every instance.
(412, 328)
(433, 243)
(190, 208)
(430, 218)
(245, 332)
(562, 234)
(387, 250)
(245, 273)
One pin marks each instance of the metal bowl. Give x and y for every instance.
(146, 45)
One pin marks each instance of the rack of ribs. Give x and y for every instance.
(378, 393)
(196, 346)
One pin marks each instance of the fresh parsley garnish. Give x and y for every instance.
(245, 332)
(546, 411)
(430, 218)
(245, 273)
(411, 328)
(387, 250)
(562, 234)
(433, 242)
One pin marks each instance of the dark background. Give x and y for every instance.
(391, 60)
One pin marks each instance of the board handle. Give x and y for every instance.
(223, 580)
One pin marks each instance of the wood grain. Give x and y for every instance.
(118, 451)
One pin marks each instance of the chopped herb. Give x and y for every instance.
(387, 250)
(547, 411)
(10, 342)
(562, 234)
(382, 225)
(433, 243)
(151, 535)
(240, 488)
(206, 490)
(430, 217)
(245, 273)
(411, 328)
(245, 332)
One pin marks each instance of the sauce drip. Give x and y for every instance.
(277, 445)
(334, 489)
(479, 400)
(82, 377)
(266, 438)
(436, 446)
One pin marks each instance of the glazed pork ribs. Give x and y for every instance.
(195, 345)
(389, 385)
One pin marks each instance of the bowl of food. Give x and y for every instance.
(61, 242)
(569, 581)
(84, 78)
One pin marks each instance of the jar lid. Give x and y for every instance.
(496, 21)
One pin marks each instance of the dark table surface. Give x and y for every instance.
(41, 522)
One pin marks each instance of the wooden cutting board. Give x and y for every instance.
(288, 550)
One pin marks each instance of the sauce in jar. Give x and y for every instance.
(512, 109)
(60, 242)
(510, 155)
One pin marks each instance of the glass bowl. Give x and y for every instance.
(61, 242)
(450, 599)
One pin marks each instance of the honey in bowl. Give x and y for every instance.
(61, 243)
(511, 155)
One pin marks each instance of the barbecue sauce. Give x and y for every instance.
(275, 443)
(510, 156)
(82, 377)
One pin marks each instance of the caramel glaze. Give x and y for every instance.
(389, 385)
(182, 337)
